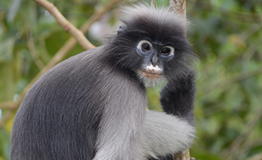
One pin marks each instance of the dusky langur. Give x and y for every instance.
(92, 106)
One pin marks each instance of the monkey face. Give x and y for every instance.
(154, 56)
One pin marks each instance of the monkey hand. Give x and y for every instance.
(177, 97)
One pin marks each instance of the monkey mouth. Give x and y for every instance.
(151, 74)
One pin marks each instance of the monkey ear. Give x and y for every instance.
(121, 29)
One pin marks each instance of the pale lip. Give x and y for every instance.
(151, 74)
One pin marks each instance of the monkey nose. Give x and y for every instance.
(154, 60)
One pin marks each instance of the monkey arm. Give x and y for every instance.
(166, 134)
(177, 97)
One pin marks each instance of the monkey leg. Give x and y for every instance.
(166, 134)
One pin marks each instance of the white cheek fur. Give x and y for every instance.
(152, 82)
(148, 82)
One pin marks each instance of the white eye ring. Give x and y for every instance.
(170, 53)
(140, 45)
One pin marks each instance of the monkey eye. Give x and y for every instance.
(144, 47)
(167, 51)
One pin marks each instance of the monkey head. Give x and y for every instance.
(153, 44)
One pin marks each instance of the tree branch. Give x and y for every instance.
(31, 47)
(6, 117)
(153, 3)
(57, 58)
(179, 7)
(97, 15)
(7, 105)
(62, 21)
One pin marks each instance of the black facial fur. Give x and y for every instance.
(160, 34)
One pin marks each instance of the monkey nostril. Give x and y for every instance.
(154, 61)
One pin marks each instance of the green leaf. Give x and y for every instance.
(6, 49)
(13, 10)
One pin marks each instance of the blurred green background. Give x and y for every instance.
(226, 36)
